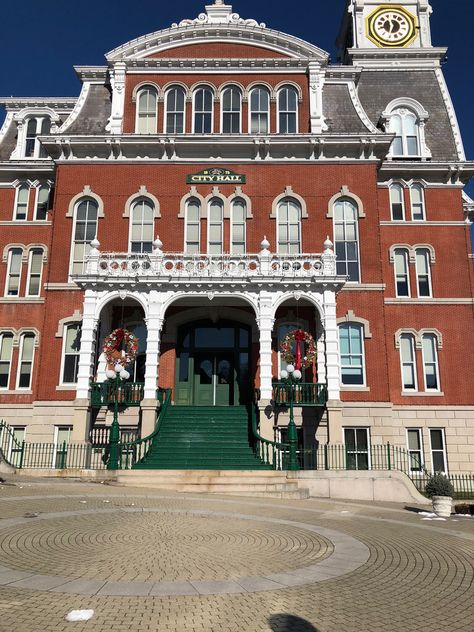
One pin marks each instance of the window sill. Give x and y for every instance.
(22, 299)
(5, 391)
(24, 222)
(66, 387)
(345, 389)
(422, 394)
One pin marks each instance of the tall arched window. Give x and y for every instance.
(42, 202)
(21, 202)
(417, 197)
(25, 364)
(6, 348)
(147, 100)
(175, 109)
(287, 110)
(429, 343)
(215, 227)
(352, 354)
(408, 362)
(70, 354)
(238, 226)
(397, 202)
(405, 125)
(12, 286)
(203, 111)
(346, 237)
(231, 110)
(423, 272)
(84, 231)
(35, 269)
(142, 226)
(289, 226)
(259, 111)
(402, 277)
(192, 229)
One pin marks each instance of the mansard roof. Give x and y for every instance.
(218, 24)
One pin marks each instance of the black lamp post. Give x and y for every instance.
(291, 377)
(116, 376)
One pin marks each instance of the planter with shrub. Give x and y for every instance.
(441, 491)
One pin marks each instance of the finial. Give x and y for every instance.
(328, 245)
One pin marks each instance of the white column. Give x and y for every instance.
(316, 82)
(117, 80)
(265, 325)
(88, 340)
(154, 323)
(321, 357)
(332, 345)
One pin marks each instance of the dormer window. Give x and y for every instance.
(406, 118)
(36, 127)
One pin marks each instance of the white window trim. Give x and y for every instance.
(36, 202)
(435, 347)
(73, 239)
(422, 115)
(195, 91)
(300, 235)
(145, 86)
(422, 451)
(342, 198)
(221, 122)
(20, 358)
(445, 455)
(28, 277)
(130, 222)
(249, 123)
(236, 199)
(200, 200)
(56, 444)
(393, 186)
(428, 261)
(222, 206)
(364, 376)
(9, 263)
(369, 444)
(69, 385)
(21, 185)
(415, 367)
(416, 185)
(166, 90)
(283, 87)
(10, 442)
(406, 256)
(2, 333)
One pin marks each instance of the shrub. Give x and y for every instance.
(465, 509)
(439, 485)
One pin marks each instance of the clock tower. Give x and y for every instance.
(379, 26)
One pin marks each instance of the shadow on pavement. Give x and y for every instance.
(290, 623)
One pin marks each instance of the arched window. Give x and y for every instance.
(21, 202)
(193, 227)
(231, 110)
(238, 226)
(147, 100)
(6, 348)
(417, 197)
(70, 354)
(175, 108)
(351, 350)
(402, 277)
(12, 286)
(84, 231)
(42, 202)
(25, 364)
(404, 123)
(423, 272)
(287, 110)
(429, 344)
(259, 111)
(36, 127)
(203, 111)
(397, 202)
(346, 237)
(142, 226)
(289, 226)
(408, 362)
(35, 269)
(215, 226)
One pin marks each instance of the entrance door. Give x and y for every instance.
(214, 379)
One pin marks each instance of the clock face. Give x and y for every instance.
(391, 26)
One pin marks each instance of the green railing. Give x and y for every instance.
(135, 451)
(269, 452)
(11, 450)
(107, 393)
(304, 394)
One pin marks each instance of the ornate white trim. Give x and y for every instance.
(145, 84)
(215, 193)
(412, 251)
(11, 246)
(289, 193)
(76, 317)
(422, 115)
(142, 193)
(345, 193)
(193, 193)
(360, 109)
(418, 336)
(238, 193)
(350, 317)
(17, 333)
(451, 113)
(292, 84)
(86, 192)
(77, 108)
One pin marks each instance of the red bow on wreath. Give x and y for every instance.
(119, 336)
(300, 337)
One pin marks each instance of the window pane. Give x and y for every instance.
(437, 439)
(6, 346)
(413, 440)
(25, 368)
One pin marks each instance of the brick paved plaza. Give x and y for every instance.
(151, 560)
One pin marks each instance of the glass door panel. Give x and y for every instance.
(204, 379)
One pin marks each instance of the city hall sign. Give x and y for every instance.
(216, 176)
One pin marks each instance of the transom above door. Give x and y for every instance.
(212, 367)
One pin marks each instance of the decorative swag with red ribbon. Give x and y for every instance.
(299, 337)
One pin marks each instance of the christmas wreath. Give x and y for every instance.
(297, 337)
(112, 347)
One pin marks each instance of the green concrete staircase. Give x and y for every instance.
(202, 438)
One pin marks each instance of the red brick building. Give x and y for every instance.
(217, 185)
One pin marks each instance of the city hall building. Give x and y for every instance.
(236, 202)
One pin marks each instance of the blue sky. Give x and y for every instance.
(45, 39)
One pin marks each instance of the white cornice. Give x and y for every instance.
(387, 59)
(77, 108)
(453, 172)
(56, 103)
(92, 74)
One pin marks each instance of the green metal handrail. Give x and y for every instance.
(304, 394)
(269, 452)
(10, 446)
(126, 393)
(134, 451)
